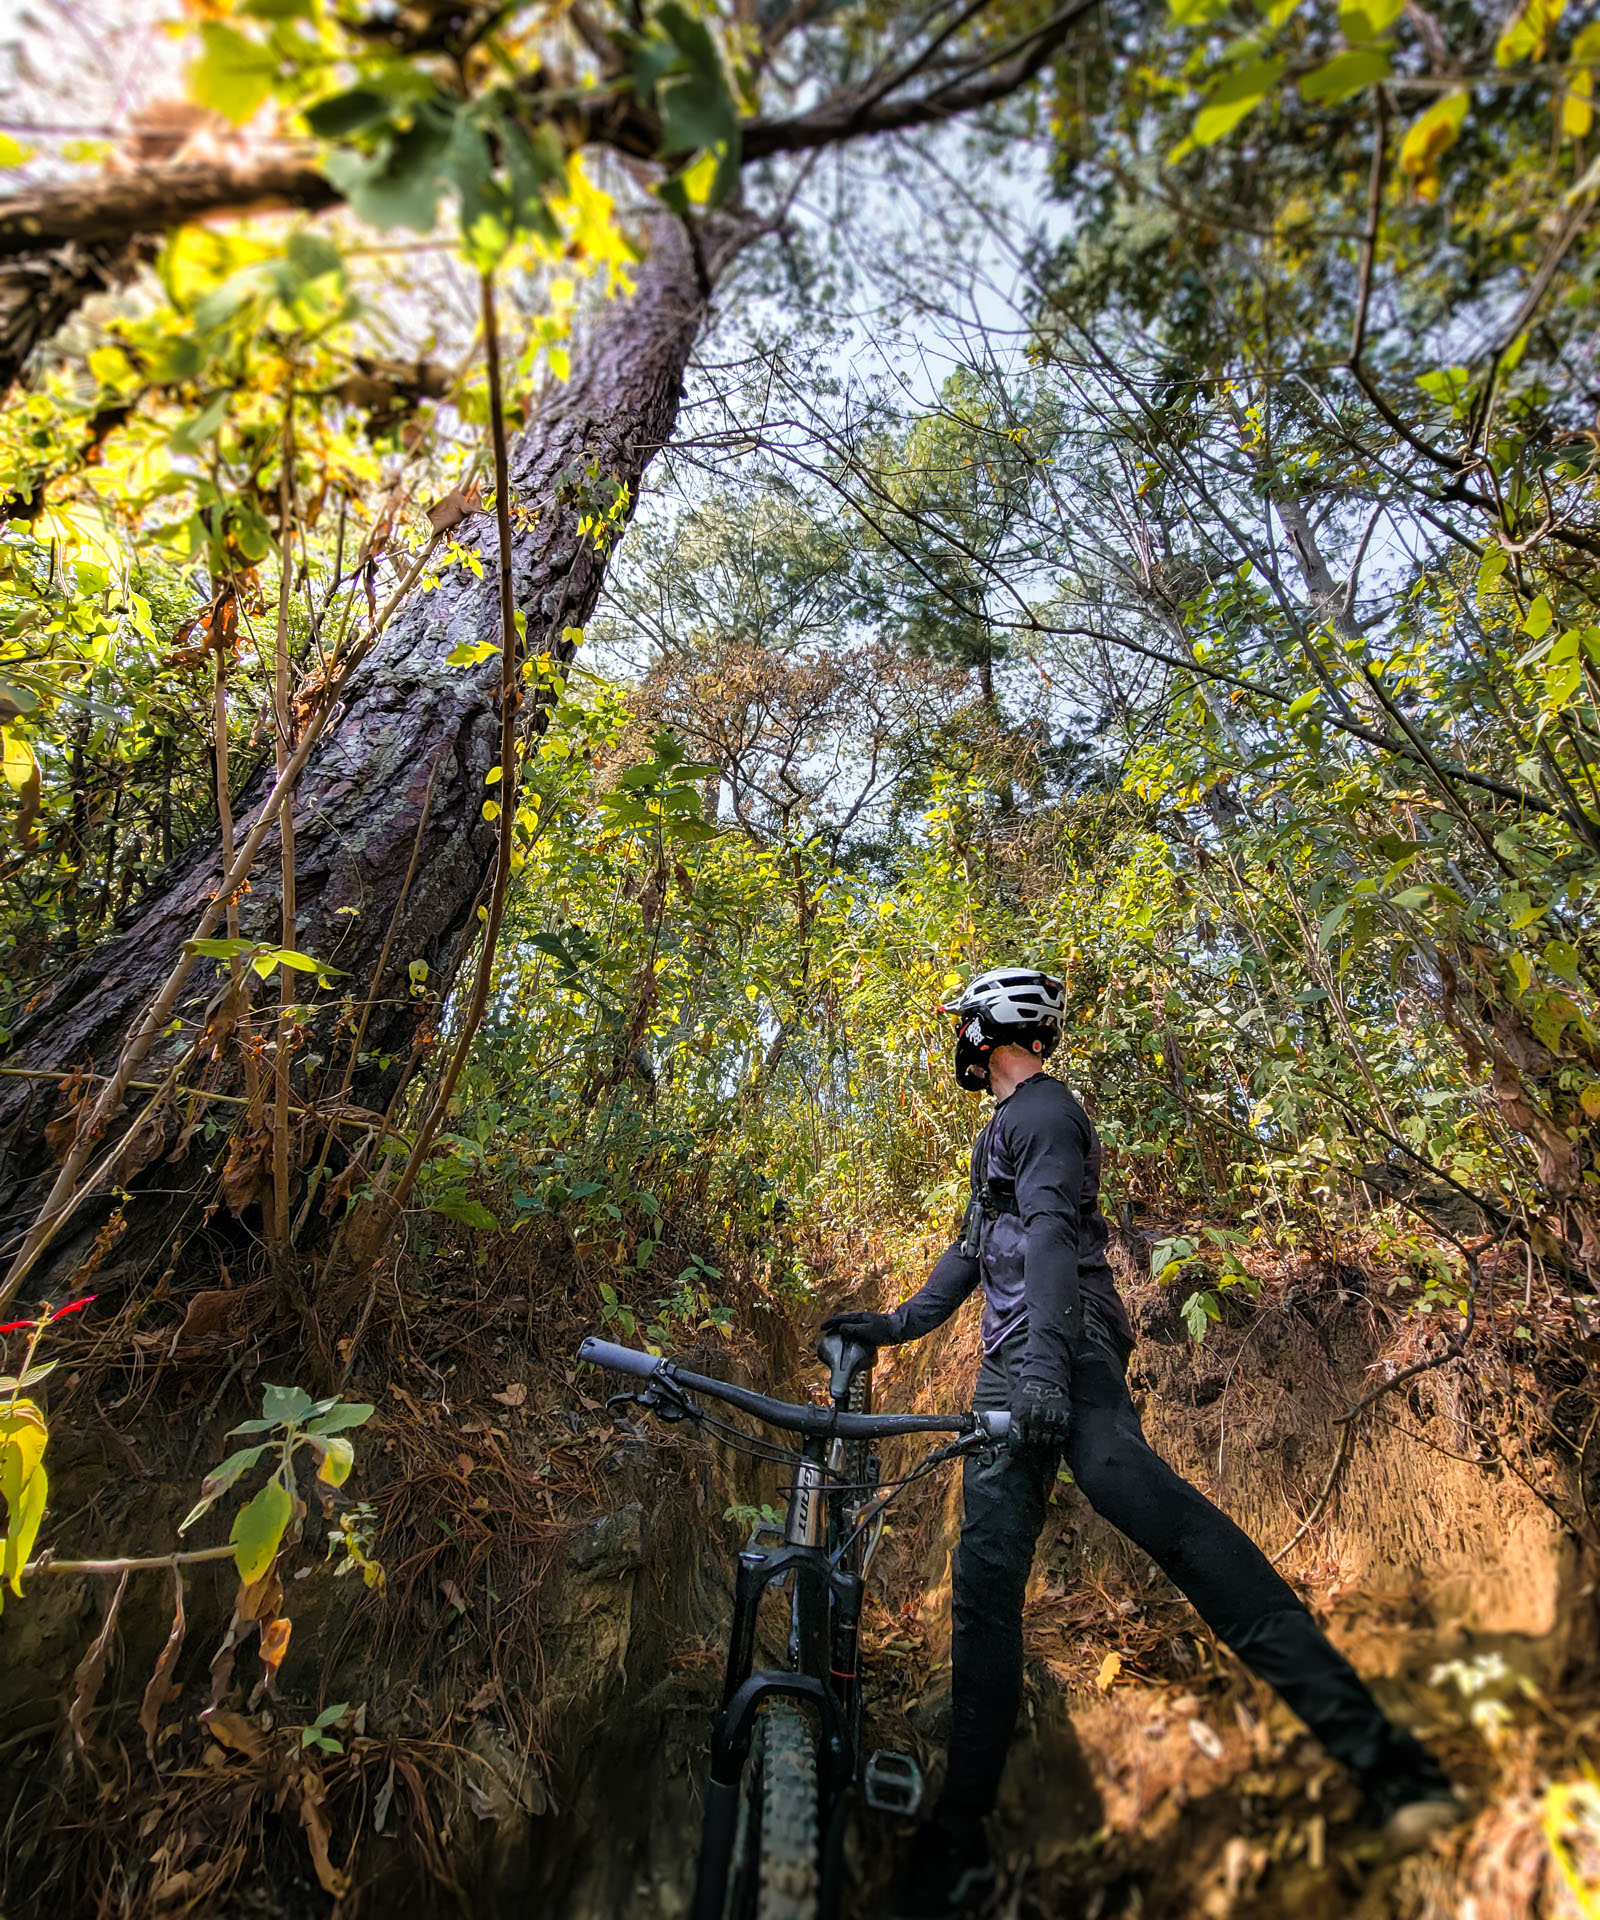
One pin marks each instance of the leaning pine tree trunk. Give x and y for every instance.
(396, 784)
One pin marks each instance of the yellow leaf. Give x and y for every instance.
(1577, 106)
(1236, 94)
(19, 761)
(1523, 37)
(697, 180)
(1590, 1098)
(258, 1530)
(23, 1485)
(1110, 1668)
(1428, 139)
(338, 1457)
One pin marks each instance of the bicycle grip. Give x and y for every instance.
(996, 1425)
(604, 1353)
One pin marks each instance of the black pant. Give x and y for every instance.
(1197, 1546)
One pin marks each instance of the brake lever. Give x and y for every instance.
(664, 1402)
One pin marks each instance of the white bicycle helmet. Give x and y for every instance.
(1017, 1006)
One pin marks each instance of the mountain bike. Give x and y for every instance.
(787, 1756)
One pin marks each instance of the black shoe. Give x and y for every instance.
(947, 1872)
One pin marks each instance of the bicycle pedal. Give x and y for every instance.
(892, 1783)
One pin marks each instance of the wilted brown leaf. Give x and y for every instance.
(62, 1131)
(29, 795)
(513, 1396)
(318, 1834)
(247, 1176)
(454, 507)
(92, 1670)
(210, 1313)
(275, 1642)
(146, 1141)
(252, 1605)
(160, 1688)
(235, 1731)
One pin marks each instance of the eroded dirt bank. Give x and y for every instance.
(531, 1693)
(1443, 1543)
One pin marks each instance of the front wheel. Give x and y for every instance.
(777, 1874)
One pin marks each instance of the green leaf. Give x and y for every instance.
(1199, 1309)
(300, 962)
(316, 1734)
(284, 1405)
(24, 1485)
(347, 1413)
(258, 1530)
(695, 112)
(1235, 95)
(470, 1212)
(692, 38)
(1303, 703)
(233, 75)
(1562, 960)
(193, 434)
(223, 949)
(400, 184)
(341, 114)
(1367, 19)
(1562, 681)
(1345, 74)
(13, 1383)
(219, 1479)
(1540, 617)
(312, 256)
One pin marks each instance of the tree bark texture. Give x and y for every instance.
(409, 721)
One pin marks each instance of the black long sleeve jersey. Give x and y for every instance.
(1044, 1250)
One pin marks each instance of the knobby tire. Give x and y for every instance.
(778, 1874)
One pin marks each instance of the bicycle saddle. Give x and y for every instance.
(844, 1359)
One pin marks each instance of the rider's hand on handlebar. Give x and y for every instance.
(1041, 1416)
(871, 1329)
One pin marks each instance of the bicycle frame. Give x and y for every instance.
(823, 1649)
(823, 1558)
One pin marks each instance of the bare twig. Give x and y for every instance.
(433, 1120)
(47, 1562)
(1341, 1454)
(287, 988)
(1454, 1349)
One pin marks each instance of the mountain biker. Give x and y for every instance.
(1056, 1343)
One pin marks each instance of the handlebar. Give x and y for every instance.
(825, 1421)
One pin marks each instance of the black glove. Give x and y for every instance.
(871, 1329)
(1041, 1416)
